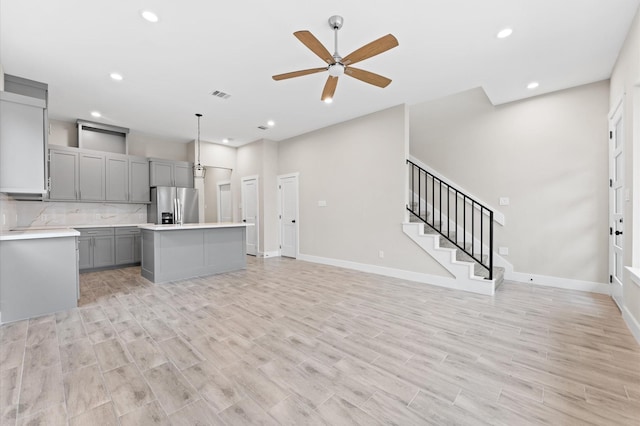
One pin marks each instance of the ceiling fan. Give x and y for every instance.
(339, 65)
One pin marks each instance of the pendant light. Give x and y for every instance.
(199, 170)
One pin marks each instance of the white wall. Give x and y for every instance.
(625, 85)
(358, 168)
(547, 154)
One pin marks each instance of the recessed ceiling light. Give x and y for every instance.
(115, 76)
(225, 140)
(271, 123)
(328, 100)
(96, 114)
(149, 16)
(533, 85)
(504, 33)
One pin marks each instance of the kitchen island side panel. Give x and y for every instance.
(187, 253)
(38, 277)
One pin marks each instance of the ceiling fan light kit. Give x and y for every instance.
(337, 65)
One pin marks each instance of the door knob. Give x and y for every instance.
(618, 232)
(244, 220)
(293, 221)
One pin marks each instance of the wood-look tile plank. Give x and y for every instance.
(102, 415)
(256, 385)
(148, 415)
(127, 388)
(52, 416)
(68, 331)
(217, 389)
(294, 412)
(182, 354)
(41, 388)
(146, 353)
(111, 354)
(170, 387)
(76, 355)
(337, 411)
(40, 332)
(84, 390)
(246, 412)
(392, 411)
(196, 413)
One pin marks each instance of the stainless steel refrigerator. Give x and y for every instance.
(170, 204)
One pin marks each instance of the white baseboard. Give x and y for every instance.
(275, 253)
(565, 283)
(632, 323)
(479, 287)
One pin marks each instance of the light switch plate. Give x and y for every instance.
(504, 201)
(322, 203)
(503, 251)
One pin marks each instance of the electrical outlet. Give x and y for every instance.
(503, 251)
(381, 254)
(504, 201)
(322, 203)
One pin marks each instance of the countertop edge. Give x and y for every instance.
(191, 226)
(36, 234)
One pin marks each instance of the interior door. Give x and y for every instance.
(288, 189)
(616, 204)
(224, 203)
(250, 212)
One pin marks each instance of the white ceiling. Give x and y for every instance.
(171, 67)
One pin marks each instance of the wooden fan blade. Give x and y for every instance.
(372, 49)
(297, 73)
(367, 77)
(314, 45)
(329, 88)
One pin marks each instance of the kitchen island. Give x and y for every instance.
(175, 252)
(39, 272)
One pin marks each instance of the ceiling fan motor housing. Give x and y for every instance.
(335, 22)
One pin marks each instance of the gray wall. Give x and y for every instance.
(547, 154)
(358, 168)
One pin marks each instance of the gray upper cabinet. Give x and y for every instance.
(183, 175)
(63, 175)
(139, 180)
(92, 177)
(23, 144)
(170, 173)
(117, 178)
(161, 173)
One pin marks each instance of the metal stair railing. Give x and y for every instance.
(459, 210)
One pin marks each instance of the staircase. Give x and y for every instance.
(454, 229)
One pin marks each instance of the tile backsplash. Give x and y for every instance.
(42, 213)
(8, 213)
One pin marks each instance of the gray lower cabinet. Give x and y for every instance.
(108, 247)
(127, 245)
(63, 175)
(96, 248)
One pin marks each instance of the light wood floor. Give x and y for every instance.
(290, 342)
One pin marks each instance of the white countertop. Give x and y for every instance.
(29, 234)
(118, 225)
(193, 226)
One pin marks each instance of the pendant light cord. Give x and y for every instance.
(198, 115)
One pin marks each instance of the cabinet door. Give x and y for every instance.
(22, 144)
(161, 173)
(91, 177)
(139, 181)
(63, 172)
(124, 249)
(103, 251)
(183, 176)
(137, 248)
(117, 182)
(85, 249)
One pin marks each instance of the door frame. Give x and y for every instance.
(616, 115)
(279, 179)
(218, 197)
(242, 195)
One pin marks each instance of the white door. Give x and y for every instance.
(288, 190)
(224, 202)
(616, 204)
(250, 212)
